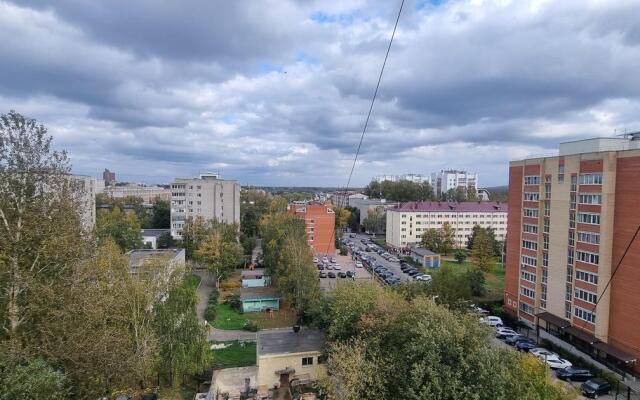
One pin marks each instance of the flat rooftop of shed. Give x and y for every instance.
(283, 341)
(258, 293)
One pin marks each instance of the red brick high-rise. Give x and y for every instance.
(571, 217)
(319, 220)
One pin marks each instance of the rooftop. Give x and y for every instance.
(140, 256)
(285, 341)
(154, 232)
(443, 206)
(258, 293)
(423, 252)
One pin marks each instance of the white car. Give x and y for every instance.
(337, 267)
(358, 264)
(503, 332)
(333, 260)
(543, 353)
(423, 278)
(557, 363)
(492, 321)
(325, 260)
(315, 260)
(394, 259)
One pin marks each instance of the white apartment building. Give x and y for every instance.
(149, 194)
(446, 180)
(415, 178)
(88, 186)
(207, 196)
(408, 221)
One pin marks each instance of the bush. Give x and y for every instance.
(230, 284)
(210, 313)
(233, 301)
(343, 251)
(250, 326)
(476, 280)
(460, 256)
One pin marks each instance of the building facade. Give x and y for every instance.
(343, 199)
(408, 221)
(571, 220)
(108, 177)
(319, 220)
(415, 178)
(88, 186)
(149, 194)
(446, 180)
(207, 196)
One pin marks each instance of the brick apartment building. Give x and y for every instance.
(571, 217)
(319, 220)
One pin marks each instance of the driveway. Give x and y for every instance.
(206, 286)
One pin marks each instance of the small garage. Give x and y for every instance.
(257, 299)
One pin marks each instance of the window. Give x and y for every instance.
(567, 310)
(590, 198)
(528, 244)
(569, 274)
(572, 238)
(528, 228)
(531, 180)
(530, 261)
(528, 276)
(574, 182)
(531, 196)
(527, 308)
(586, 296)
(545, 259)
(545, 275)
(570, 256)
(307, 361)
(589, 237)
(531, 212)
(585, 315)
(525, 291)
(586, 277)
(547, 190)
(590, 258)
(545, 241)
(591, 179)
(572, 204)
(589, 218)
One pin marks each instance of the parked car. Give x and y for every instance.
(595, 387)
(394, 259)
(557, 363)
(333, 260)
(337, 267)
(325, 260)
(492, 321)
(315, 260)
(573, 374)
(503, 332)
(423, 278)
(352, 235)
(320, 267)
(358, 264)
(511, 340)
(473, 309)
(541, 353)
(342, 274)
(328, 267)
(323, 275)
(351, 274)
(412, 272)
(331, 275)
(526, 345)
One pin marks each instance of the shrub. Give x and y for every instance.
(230, 284)
(233, 301)
(460, 256)
(250, 326)
(210, 313)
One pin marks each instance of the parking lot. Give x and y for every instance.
(346, 264)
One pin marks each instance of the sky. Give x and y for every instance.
(275, 92)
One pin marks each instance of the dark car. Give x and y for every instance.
(513, 339)
(574, 374)
(385, 274)
(351, 274)
(412, 272)
(331, 275)
(322, 275)
(595, 387)
(342, 274)
(526, 345)
(320, 267)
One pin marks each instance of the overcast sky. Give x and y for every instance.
(275, 92)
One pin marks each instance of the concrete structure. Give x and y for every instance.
(108, 177)
(150, 237)
(255, 299)
(408, 221)
(88, 189)
(415, 178)
(319, 220)
(426, 258)
(366, 205)
(255, 278)
(232, 383)
(287, 358)
(483, 194)
(343, 199)
(208, 196)
(149, 194)
(571, 219)
(446, 180)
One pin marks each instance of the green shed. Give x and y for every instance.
(255, 299)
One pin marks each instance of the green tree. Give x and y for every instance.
(123, 228)
(219, 255)
(431, 239)
(451, 287)
(254, 204)
(161, 215)
(376, 220)
(476, 281)
(460, 256)
(448, 234)
(31, 379)
(165, 241)
(482, 254)
(399, 191)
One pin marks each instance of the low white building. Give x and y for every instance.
(150, 237)
(408, 221)
(343, 199)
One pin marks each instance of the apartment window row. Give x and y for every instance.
(545, 275)
(530, 261)
(531, 212)
(591, 179)
(589, 237)
(528, 276)
(531, 196)
(531, 180)
(587, 257)
(525, 291)
(528, 228)
(528, 244)
(590, 198)
(589, 218)
(527, 308)
(586, 296)
(587, 277)
(585, 315)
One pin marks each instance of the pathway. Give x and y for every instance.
(206, 286)
(220, 335)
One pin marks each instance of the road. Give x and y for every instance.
(391, 266)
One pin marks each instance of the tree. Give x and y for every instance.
(40, 229)
(431, 239)
(219, 254)
(451, 288)
(476, 281)
(482, 254)
(254, 204)
(123, 228)
(161, 215)
(399, 191)
(376, 220)
(342, 217)
(448, 238)
(354, 219)
(460, 255)
(182, 338)
(165, 241)
(31, 379)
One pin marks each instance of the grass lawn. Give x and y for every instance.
(227, 318)
(236, 355)
(281, 319)
(193, 281)
(494, 278)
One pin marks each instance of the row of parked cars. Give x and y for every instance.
(592, 386)
(331, 265)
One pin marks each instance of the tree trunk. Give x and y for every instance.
(13, 308)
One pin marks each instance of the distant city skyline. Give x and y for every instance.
(276, 92)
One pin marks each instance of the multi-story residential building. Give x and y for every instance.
(416, 178)
(571, 221)
(342, 199)
(88, 189)
(366, 205)
(446, 180)
(319, 220)
(108, 177)
(149, 194)
(408, 221)
(207, 196)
